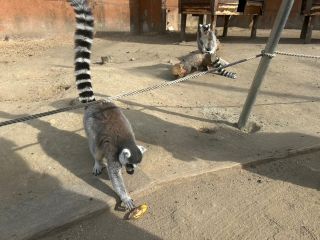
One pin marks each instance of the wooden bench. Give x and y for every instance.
(309, 9)
(226, 8)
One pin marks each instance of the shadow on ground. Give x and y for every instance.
(187, 144)
(160, 70)
(263, 92)
(39, 199)
(174, 38)
(69, 149)
(148, 38)
(302, 170)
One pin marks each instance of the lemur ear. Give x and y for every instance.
(209, 25)
(200, 25)
(142, 149)
(125, 153)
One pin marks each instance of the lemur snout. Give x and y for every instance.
(130, 168)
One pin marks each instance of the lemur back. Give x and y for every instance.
(206, 39)
(109, 132)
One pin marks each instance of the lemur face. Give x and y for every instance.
(131, 158)
(205, 28)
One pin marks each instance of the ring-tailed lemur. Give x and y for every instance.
(109, 132)
(206, 39)
(200, 62)
(219, 62)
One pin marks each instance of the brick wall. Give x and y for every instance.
(48, 17)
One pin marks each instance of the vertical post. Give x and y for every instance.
(200, 19)
(305, 25)
(163, 26)
(254, 26)
(273, 40)
(226, 25)
(183, 27)
(213, 9)
(309, 29)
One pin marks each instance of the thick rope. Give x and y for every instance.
(147, 89)
(271, 55)
(132, 93)
(296, 55)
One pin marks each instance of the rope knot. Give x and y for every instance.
(270, 55)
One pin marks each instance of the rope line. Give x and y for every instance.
(147, 89)
(271, 55)
(296, 55)
(127, 94)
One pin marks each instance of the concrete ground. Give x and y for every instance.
(46, 179)
(277, 200)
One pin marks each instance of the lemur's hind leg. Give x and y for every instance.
(98, 160)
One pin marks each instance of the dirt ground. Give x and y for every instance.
(184, 127)
(278, 200)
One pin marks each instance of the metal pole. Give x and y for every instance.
(273, 40)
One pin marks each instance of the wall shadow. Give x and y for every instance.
(263, 40)
(302, 170)
(146, 38)
(173, 38)
(70, 150)
(223, 142)
(184, 143)
(262, 92)
(33, 203)
(160, 70)
(164, 71)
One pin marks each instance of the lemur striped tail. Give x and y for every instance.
(83, 43)
(220, 62)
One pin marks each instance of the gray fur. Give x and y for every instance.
(111, 138)
(109, 132)
(206, 39)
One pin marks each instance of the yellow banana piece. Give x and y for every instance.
(138, 212)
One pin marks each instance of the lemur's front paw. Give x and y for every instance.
(128, 203)
(97, 169)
